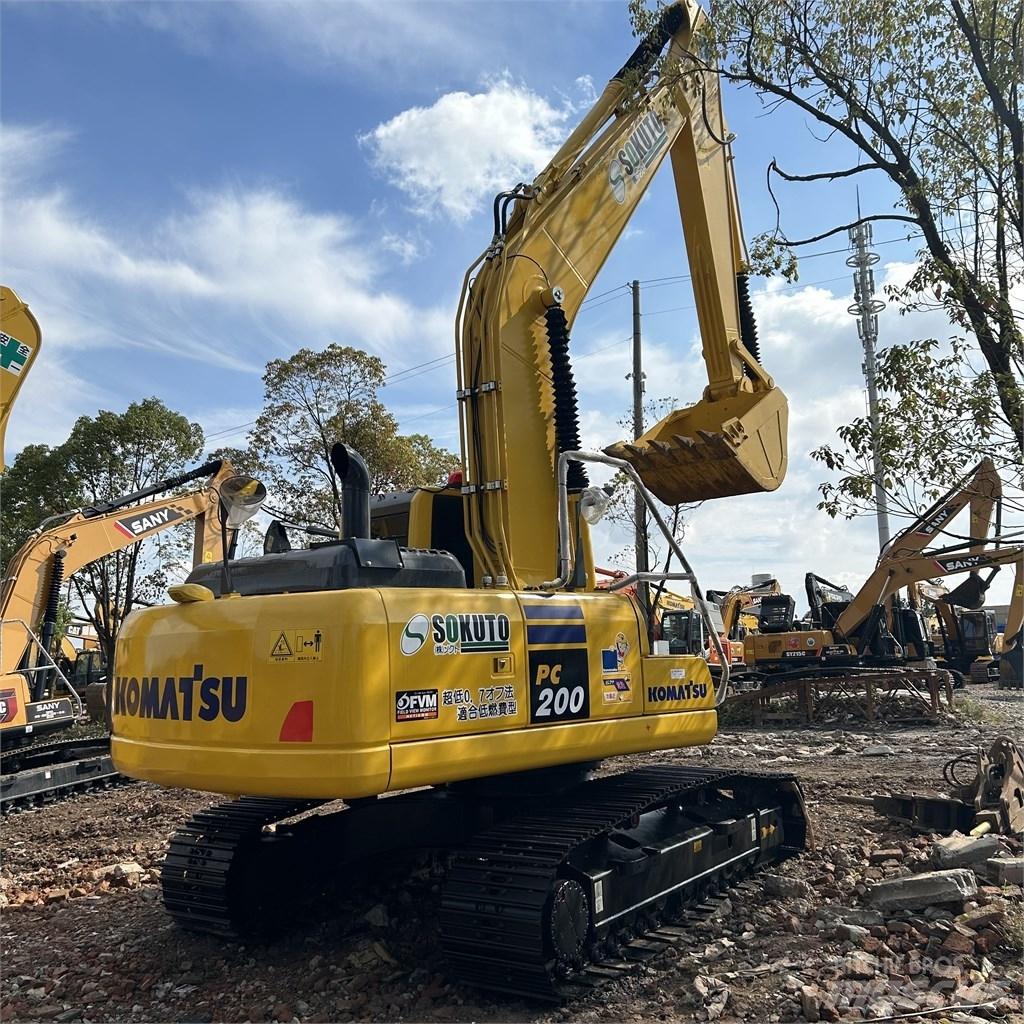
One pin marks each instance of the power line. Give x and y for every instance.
(406, 374)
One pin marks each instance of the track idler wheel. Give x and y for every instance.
(569, 922)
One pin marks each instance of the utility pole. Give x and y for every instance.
(866, 308)
(640, 509)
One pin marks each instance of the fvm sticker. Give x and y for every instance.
(415, 705)
(559, 686)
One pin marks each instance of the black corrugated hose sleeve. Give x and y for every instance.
(567, 420)
(748, 325)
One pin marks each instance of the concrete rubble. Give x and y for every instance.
(933, 888)
(958, 850)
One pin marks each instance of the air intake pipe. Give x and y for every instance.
(355, 489)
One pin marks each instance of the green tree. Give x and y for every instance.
(315, 399)
(926, 95)
(105, 456)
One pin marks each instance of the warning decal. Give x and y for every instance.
(297, 645)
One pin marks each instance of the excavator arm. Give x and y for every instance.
(895, 574)
(54, 552)
(981, 489)
(551, 238)
(20, 341)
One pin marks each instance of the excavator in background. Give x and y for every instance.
(44, 681)
(967, 639)
(1009, 646)
(850, 633)
(456, 678)
(961, 638)
(685, 632)
(741, 602)
(20, 341)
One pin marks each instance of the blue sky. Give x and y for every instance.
(191, 189)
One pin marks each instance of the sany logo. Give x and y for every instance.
(414, 636)
(937, 521)
(136, 526)
(960, 563)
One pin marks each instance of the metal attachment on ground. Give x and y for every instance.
(991, 801)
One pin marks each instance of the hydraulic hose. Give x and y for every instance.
(41, 680)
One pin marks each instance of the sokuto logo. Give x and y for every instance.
(414, 636)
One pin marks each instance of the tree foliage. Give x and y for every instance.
(928, 95)
(622, 506)
(105, 456)
(313, 400)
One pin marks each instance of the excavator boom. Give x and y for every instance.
(20, 341)
(56, 551)
(551, 238)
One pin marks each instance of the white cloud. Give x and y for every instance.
(383, 41)
(810, 346)
(460, 151)
(258, 254)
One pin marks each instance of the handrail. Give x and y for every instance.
(565, 550)
(52, 666)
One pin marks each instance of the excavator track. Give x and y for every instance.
(551, 901)
(547, 901)
(201, 876)
(54, 771)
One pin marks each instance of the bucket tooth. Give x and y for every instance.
(734, 445)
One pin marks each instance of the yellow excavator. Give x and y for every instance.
(20, 342)
(40, 679)
(1010, 646)
(449, 668)
(854, 633)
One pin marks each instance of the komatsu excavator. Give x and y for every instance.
(20, 341)
(456, 678)
(38, 697)
(849, 633)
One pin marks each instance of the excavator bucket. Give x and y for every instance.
(734, 445)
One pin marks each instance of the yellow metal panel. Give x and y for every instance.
(19, 349)
(417, 764)
(324, 694)
(200, 698)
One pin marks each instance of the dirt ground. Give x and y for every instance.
(86, 939)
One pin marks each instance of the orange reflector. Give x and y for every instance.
(297, 726)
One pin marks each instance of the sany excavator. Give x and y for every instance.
(456, 678)
(37, 698)
(850, 633)
(20, 341)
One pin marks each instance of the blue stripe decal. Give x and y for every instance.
(551, 610)
(556, 634)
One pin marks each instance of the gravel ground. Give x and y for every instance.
(84, 936)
